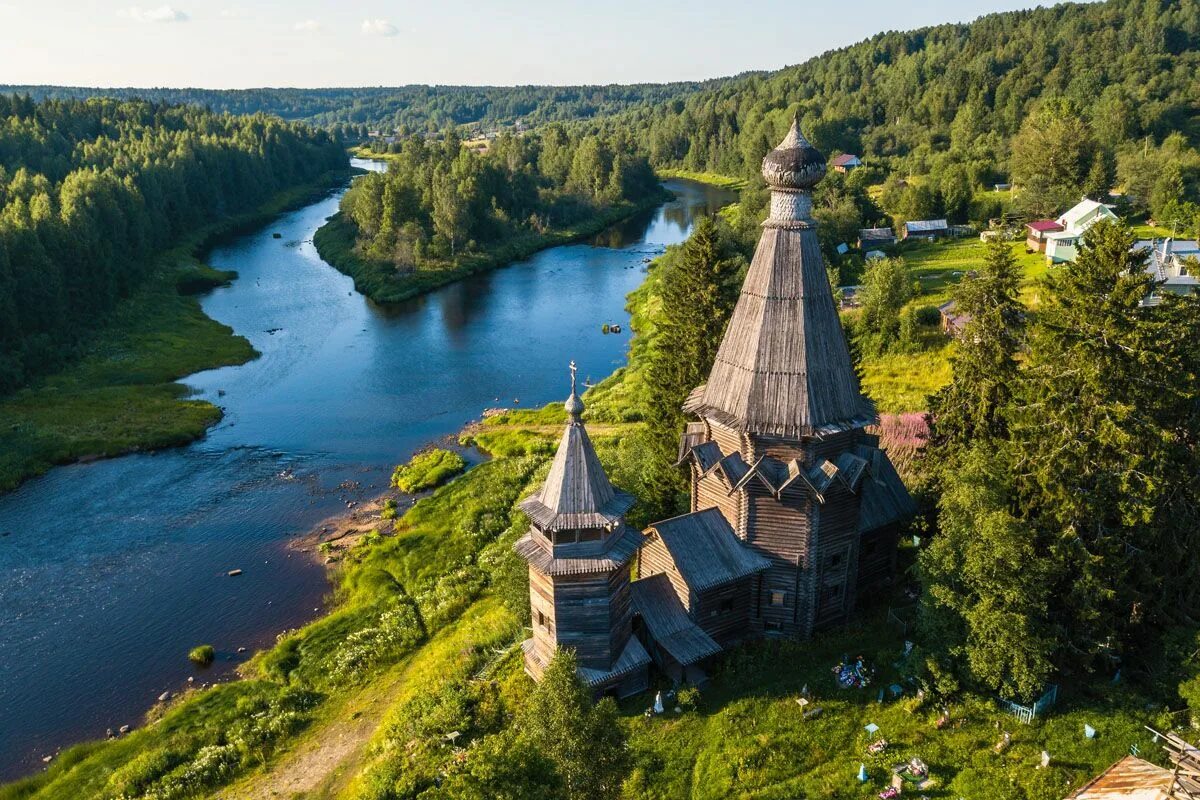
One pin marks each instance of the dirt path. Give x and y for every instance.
(323, 762)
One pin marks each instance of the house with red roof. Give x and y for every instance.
(846, 162)
(1037, 231)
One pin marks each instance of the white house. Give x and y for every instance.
(1062, 245)
(1167, 262)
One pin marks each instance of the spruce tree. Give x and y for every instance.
(698, 288)
(1106, 430)
(984, 364)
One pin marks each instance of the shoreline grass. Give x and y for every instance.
(711, 178)
(121, 396)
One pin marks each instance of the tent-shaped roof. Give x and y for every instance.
(783, 368)
(705, 549)
(577, 492)
(668, 623)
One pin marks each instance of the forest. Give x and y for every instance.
(403, 109)
(440, 206)
(91, 190)
(940, 113)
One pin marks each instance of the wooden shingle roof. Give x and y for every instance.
(632, 658)
(1130, 778)
(705, 549)
(668, 623)
(784, 368)
(620, 552)
(577, 492)
(884, 497)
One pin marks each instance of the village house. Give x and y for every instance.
(846, 162)
(1037, 231)
(873, 238)
(927, 229)
(1167, 262)
(795, 510)
(1062, 245)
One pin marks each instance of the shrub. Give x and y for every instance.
(395, 632)
(389, 509)
(202, 656)
(427, 470)
(927, 315)
(688, 698)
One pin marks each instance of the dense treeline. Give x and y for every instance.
(1064, 100)
(1067, 463)
(91, 190)
(439, 200)
(403, 108)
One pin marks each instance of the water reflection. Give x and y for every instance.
(127, 558)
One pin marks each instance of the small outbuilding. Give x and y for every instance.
(952, 321)
(869, 238)
(927, 229)
(1036, 233)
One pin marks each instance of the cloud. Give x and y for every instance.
(236, 12)
(379, 27)
(159, 14)
(308, 25)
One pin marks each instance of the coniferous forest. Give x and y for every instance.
(91, 190)
(440, 204)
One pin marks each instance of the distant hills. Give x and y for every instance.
(415, 108)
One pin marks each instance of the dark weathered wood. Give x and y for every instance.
(794, 508)
(580, 552)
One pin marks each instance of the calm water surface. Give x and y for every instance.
(113, 570)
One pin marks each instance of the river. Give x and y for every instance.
(111, 571)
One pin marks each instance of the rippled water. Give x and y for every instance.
(113, 570)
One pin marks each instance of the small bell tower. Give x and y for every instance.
(579, 551)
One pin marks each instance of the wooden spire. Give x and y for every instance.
(783, 368)
(577, 492)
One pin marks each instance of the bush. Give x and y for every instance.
(202, 656)
(389, 509)
(927, 315)
(427, 470)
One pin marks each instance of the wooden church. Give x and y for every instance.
(795, 511)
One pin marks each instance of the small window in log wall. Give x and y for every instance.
(778, 598)
(835, 560)
(541, 619)
(727, 605)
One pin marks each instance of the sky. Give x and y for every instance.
(247, 43)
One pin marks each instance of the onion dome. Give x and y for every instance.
(795, 164)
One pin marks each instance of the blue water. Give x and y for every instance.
(113, 570)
